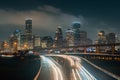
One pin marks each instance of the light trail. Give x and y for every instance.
(82, 71)
(77, 70)
(7, 55)
(74, 75)
(90, 76)
(60, 73)
(56, 71)
(71, 61)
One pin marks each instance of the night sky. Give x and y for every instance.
(47, 15)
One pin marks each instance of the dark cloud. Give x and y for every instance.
(47, 18)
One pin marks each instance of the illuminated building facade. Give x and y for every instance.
(76, 29)
(83, 37)
(0, 44)
(17, 33)
(23, 42)
(36, 41)
(14, 40)
(69, 37)
(46, 42)
(102, 37)
(5, 47)
(58, 39)
(117, 37)
(28, 33)
(102, 40)
(28, 26)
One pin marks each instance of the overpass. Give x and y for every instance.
(97, 47)
(97, 56)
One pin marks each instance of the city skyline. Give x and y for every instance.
(60, 39)
(47, 16)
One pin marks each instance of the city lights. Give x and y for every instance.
(59, 40)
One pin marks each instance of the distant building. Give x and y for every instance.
(46, 42)
(69, 37)
(37, 41)
(76, 30)
(17, 33)
(110, 38)
(105, 39)
(15, 40)
(89, 41)
(5, 46)
(102, 37)
(12, 40)
(83, 35)
(23, 44)
(58, 39)
(28, 33)
(0, 44)
(28, 26)
(117, 37)
(43, 44)
(83, 38)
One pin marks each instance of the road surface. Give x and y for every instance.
(65, 67)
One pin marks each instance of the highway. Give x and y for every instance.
(64, 67)
(51, 67)
(50, 70)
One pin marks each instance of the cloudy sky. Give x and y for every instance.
(47, 15)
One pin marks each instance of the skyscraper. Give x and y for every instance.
(36, 41)
(47, 41)
(28, 33)
(58, 36)
(69, 38)
(102, 37)
(110, 38)
(76, 30)
(83, 37)
(28, 26)
(17, 33)
(14, 40)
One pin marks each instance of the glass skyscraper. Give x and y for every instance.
(58, 37)
(69, 38)
(28, 33)
(76, 30)
(28, 26)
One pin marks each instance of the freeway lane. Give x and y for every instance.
(50, 70)
(78, 69)
(94, 72)
(49, 67)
